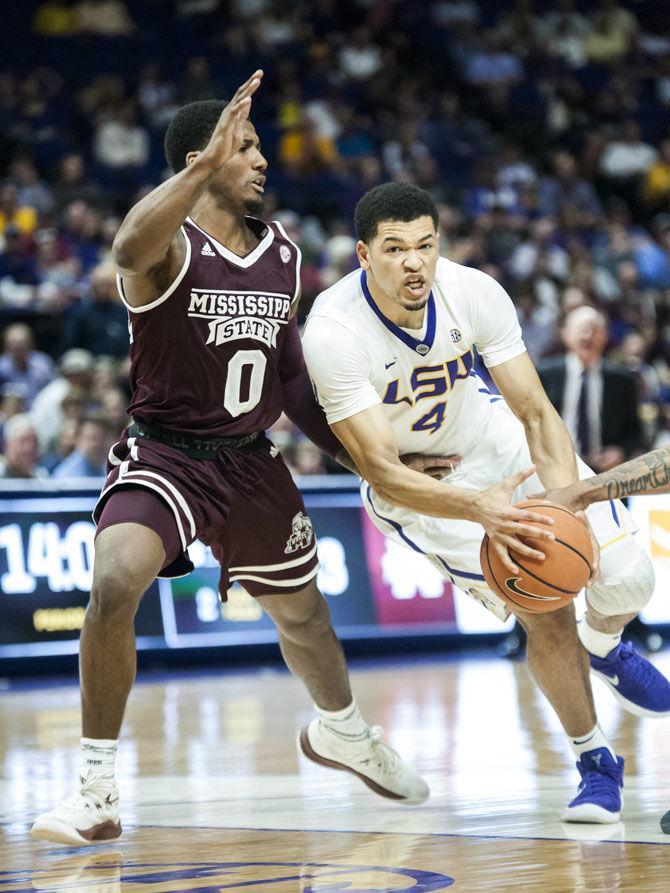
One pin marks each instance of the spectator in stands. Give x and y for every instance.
(79, 234)
(100, 321)
(95, 439)
(18, 270)
(490, 62)
(114, 407)
(563, 32)
(307, 458)
(562, 20)
(39, 121)
(12, 402)
(197, 84)
(157, 97)
(541, 246)
(656, 183)
(57, 272)
(485, 194)
(353, 138)
(518, 29)
(55, 18)
(515, 169)
(567, 195)
(402, 153)
(76, 370)
(72, 183)
(121, 142)
(633, 354)
(21, 455)
(303, 153)
(278, 27)
(456, 138)
(23, 366)
(538, 323)
(360, 58)
(597, 400)
(32, 191)
(66, 443)
(106, 17)
(24, 217)
(613, 33)
(339, 259)
(628, 156)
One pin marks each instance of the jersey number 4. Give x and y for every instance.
(244, 381)
(432, 421)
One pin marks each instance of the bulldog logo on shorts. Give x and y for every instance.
(302, 534)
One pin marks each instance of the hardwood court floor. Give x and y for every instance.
(214, 796)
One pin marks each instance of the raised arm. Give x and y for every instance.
(643, 476)
(148, 250)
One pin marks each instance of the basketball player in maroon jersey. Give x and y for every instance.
(211, 293)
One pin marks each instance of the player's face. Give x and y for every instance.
(241, 180)
(402, 258)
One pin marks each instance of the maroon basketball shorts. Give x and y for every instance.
(244, 505)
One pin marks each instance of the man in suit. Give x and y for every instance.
(597, 400)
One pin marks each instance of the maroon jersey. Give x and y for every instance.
(205, 355)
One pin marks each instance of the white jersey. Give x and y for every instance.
(434, 399)
(437, 404)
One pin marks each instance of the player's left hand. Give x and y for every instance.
(571, 498)
(434, 466)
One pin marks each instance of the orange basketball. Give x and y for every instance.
(542, 586)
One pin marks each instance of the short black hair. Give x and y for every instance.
(190, 130)
(391, 201)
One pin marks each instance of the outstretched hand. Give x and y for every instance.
(228, 135)
(505, 524)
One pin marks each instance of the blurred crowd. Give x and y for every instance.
(541, 130)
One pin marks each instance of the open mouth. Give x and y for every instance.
(415, 286)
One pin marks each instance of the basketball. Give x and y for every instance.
(542, 586)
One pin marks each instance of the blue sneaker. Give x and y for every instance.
(633, 680)
(599, 800)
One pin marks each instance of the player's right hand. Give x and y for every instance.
(228, 134)
(505, 524)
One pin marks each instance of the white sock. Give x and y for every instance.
(593, 740)
(347, 724)
(596, 642)
(98, 756)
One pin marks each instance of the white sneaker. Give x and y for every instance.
(377, 764)
(89, 816)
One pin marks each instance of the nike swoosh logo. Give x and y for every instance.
(388, 365)
(613, 680)
(513, 584)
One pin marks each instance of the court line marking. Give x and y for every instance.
(394, 833)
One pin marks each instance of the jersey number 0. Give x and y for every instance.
(244, 381)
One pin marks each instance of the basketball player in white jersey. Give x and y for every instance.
(390, 349)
